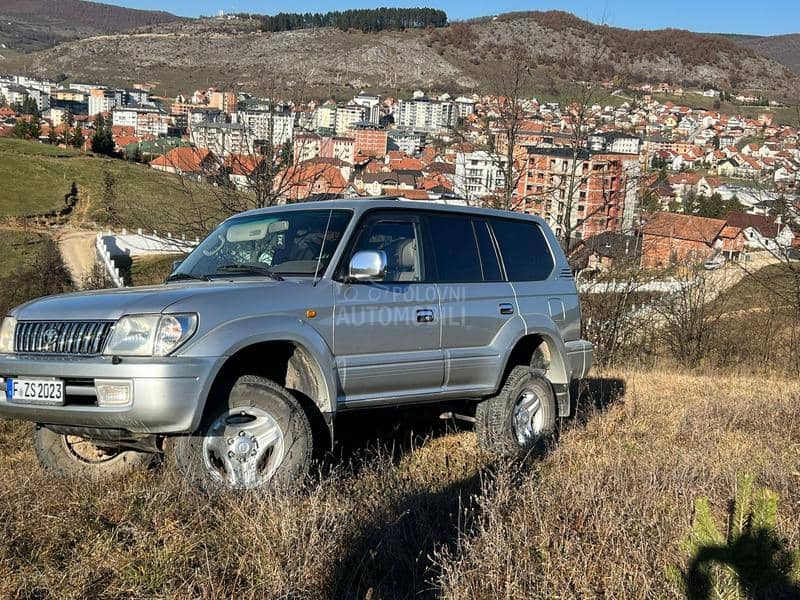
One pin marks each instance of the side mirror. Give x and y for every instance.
(176, 264)
(368, 265)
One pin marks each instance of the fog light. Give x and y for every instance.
(113, 392)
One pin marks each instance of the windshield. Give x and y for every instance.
(274, 244)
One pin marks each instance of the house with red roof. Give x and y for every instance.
(186, 161)
(312, 179)
(672, 238)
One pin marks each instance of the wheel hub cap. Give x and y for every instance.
(243, 448)
(528, 417)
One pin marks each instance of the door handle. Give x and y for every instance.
(506, 308)
(425, 315)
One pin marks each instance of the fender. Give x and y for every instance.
(559, 373)
(231, 336)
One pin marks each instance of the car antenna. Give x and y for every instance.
(317, 277)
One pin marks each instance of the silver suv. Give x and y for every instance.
(284, 318)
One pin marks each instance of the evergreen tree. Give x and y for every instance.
(52, 136)
(20, 129)
(77, 138)
(102, 139)
(35, 127)
(29, 106)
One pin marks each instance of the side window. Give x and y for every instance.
(455, 251)
(400, 241)
(489, 263)
(524, 249)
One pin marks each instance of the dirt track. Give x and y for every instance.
(77, 250)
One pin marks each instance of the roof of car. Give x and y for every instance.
(361, 204)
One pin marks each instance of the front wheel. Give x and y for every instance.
(73, 455)
(256, 435)
(521, 418)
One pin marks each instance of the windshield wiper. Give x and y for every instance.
(186, 276)
(250, 269)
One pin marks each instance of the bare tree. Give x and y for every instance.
(225, 177)
(499, 133)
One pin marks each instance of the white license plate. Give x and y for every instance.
(35, 391)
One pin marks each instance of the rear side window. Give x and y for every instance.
(524, 249)
(455, 250)
(489, 262)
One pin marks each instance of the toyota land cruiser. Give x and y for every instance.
(287, 316)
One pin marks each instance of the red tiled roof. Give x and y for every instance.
(185, 159)
(760, 223)
(407, 194)
(242, 164)
(684, 227)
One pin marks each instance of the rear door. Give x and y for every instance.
(530, 266)
(476, 302)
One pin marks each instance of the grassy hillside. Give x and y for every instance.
(148, 270)
(604, 514)
(17, 248)
(37, 176)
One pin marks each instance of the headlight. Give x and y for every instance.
(7, 335)
(150, 335)
(173, 331)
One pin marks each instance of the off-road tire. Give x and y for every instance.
(262, 393)
(67, 455)
(494, 416)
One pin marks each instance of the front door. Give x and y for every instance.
(387, 333)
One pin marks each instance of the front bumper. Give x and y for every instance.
(580, 355)
(168, 393)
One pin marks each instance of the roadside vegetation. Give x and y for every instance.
(30, 267)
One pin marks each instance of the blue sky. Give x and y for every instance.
(731, 16)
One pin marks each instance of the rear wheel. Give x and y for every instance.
(521, 418)
(74, 455)
(257, 435)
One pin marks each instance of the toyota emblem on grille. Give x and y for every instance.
(50, 337)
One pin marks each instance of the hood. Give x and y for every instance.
(115, 303)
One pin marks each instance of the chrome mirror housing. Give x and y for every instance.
(368, 265)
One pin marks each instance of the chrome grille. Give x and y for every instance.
(62, 337)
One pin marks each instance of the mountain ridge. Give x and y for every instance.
(29, 25)
(465, 55)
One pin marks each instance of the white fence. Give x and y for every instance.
(668, 286)
(104, 257)
(144, 244)
(109, 245)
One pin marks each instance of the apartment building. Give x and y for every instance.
(103, 100)
(587, 192)
(479, 174)
(424, 114)
(222, 138)
(370, 139)
(372, 106)
(348, 115)
(268, 126)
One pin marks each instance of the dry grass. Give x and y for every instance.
(601, 515)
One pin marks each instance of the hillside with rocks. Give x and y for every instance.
(783, 48)
(465, 55)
